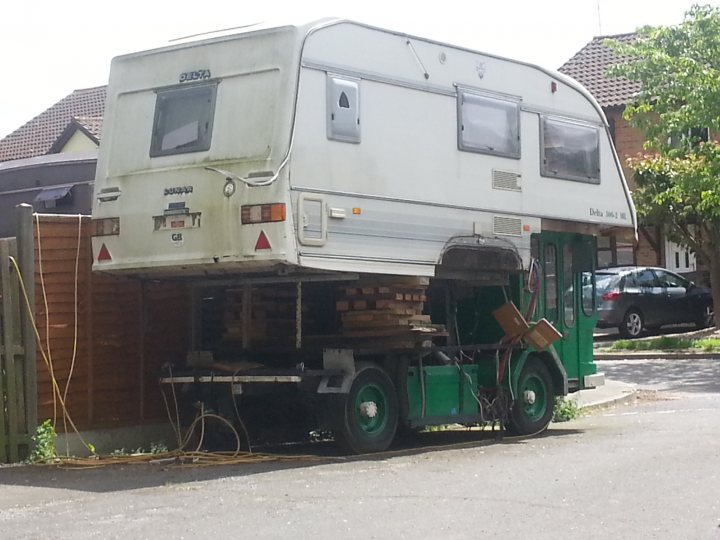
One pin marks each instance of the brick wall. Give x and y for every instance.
(628, 141)
(645, 254)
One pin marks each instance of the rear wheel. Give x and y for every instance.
(534, 397)
(632, 325)
(365, 420)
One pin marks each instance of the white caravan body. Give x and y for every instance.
(385, 149)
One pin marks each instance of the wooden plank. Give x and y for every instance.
(26, 257)
(10, 323)
(7, 352)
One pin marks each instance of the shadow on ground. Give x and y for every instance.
(112, 478)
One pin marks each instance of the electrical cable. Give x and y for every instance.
(239, 418)
(75, 325)
(54, 382)
(47, 313)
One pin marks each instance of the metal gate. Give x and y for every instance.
(18, 394)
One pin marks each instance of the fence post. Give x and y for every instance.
(5, 349)
(26, 260)
(9, 332)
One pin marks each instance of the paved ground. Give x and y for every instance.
(645, 470)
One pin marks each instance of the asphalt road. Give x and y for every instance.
(647, 470)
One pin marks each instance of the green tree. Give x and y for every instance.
(678, 181)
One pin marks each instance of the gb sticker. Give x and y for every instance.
(177, 239)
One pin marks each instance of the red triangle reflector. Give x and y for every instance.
(262, 242)
(104, 254)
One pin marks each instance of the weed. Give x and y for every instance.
(565, 410)
(44, 440)
(158, 448)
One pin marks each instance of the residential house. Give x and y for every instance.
(589, 67)
(50, 161)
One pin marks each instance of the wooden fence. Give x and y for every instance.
(102, 338)
(17, 344)
(107, 336)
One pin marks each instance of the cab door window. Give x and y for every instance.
(551, 285)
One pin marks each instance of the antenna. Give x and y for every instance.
(599, 19)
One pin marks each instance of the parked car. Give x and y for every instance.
(639, 298)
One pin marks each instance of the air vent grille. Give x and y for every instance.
(509, 226)
(506, 180)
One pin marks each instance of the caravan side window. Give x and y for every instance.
(488, 124)
(343, 109)
(570, 150)
(183, 120)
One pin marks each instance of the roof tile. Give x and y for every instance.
(590, 65)
(37, 136)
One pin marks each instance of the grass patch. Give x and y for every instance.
(667, 343)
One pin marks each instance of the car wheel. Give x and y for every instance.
(632, 325)
(706, 317)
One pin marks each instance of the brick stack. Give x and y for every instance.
(271, 312)
(387, 310)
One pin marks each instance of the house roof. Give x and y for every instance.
(89, 126)
(38, 135)
(590, 65)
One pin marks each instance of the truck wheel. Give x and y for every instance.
(365, 420)
(632, 324)
(534, 397)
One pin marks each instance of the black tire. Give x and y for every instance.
(633, 324)
(366, 418)
(532, 410)
(706, 318)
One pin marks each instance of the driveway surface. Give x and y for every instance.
(646, 470)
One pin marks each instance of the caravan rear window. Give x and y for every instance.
(488, 124)
(570, 150)
(183, 120)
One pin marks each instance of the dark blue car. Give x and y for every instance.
(638, 298)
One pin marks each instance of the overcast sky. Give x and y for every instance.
(50, 48)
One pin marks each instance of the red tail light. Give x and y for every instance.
(611, 296)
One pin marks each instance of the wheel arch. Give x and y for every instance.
(552, 361)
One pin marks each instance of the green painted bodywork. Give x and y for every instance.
(449, 394)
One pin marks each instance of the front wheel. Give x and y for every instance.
(632, 325)
(532, 409)
(366, 419)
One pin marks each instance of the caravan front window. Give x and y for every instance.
(570, 150)
(488, 124)
(183, 120)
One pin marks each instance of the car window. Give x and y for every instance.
(606, 282)
(642, 278)
(670, 280)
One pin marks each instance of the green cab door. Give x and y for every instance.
(567, 298)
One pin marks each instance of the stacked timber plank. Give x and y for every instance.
(268, 318)
(387, 310)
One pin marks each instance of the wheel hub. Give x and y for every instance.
(529, 397)
(368, 409)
